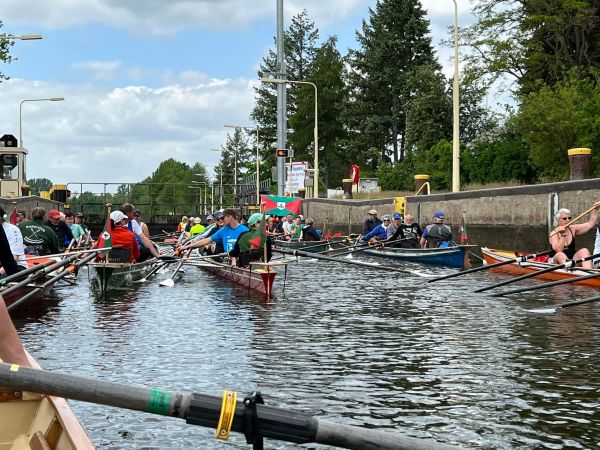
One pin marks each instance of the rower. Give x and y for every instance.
(371, 222)
(244, 258)
(80, 220)
(407, 233)
(182, 224)
(379, 233)
(197, 228)
(227, 235)
(310, 233)
(125, 246)
(562, 238)
(437, 234)
(287, 227)
(15, 242)
(76, 229)
(61, 229)
(137, 215)
(21, 216)
(145, 245)
(39, 238)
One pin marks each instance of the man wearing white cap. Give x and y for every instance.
(371, 222)
(197, 228)
(122, 237)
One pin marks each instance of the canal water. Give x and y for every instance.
(351, 345)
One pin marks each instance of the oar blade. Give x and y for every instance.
(544, 311)
(168, 282)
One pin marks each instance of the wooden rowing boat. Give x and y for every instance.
(456, 256)
(492, 256)
(115, 275)
(259, 278)
(29, 421)
(311, 246)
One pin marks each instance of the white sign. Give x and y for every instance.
(296, 172)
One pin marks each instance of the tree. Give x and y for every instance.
(235, 155)
(392, 45)
(326, 72)
(38, 185)
(5, 44)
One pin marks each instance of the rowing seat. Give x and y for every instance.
(119, 255)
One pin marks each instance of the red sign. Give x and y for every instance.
(355, 174)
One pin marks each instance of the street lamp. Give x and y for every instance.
(316, 128)
(455, 111)
(23, 37)
(50, 99)
(221, 182)
(257, 159)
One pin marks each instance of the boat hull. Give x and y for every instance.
(311, 246)
(451, 256)
(119, 275)
(28, 421)
(492, 256)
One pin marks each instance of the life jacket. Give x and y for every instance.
(438, 233)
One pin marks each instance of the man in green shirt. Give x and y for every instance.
(39, 238)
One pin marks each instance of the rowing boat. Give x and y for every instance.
(456, 256)
(260, 277)
(29, 421)
(115, 275)
(311, 246)
(493, 256)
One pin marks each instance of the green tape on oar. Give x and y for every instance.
(159, 401)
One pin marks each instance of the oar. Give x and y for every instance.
(62, 255)
(153, 271)
(571, 264)
(564, 305)
(170, 282)
(547, 285)
(347, 261)
(491, 266)
(574, 220)
(320, 244)
(250, 417)
(23, 273)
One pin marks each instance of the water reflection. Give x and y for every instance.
(352, 345)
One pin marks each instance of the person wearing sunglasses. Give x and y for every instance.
(562, 238)
(379, 233)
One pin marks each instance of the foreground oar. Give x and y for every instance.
(570, 264)
(249, 417)
(547, 285)
(491, 266)
(153, 271)
(347, 261)
(26, 272)
(560, 306)
(170, 282)
(63, 255)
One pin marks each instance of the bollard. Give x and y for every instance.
(579, 160)
(420, 188)
(347, 184)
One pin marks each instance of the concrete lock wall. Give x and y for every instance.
(28, 203)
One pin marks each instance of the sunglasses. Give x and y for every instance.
(220, 218)
(386, 220)
(566, 218)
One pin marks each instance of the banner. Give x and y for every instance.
(296, 172)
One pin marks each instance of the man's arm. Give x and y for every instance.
(52, 241)
(148, 244)
(196, 244)
(11, 350)
(585, 227)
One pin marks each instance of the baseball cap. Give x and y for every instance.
(79, 214)
(439, 215)
(197, 220)
(397, 216)
(117, 216)
(256, 217)
(184, 218)
(210, 217)
(386, 217)
(137, 212)
(373, 212)
(54, 214)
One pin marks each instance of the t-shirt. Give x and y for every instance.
(123, 238)
(227, 236)
(77, 230)
(39, 238)
(196, 229)
(134, 226)
(15, 240)
(287, 227)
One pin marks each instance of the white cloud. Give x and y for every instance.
(122, 134)
(161, 17)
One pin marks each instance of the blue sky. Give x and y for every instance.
(146, 80)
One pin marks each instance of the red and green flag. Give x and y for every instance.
(464, 237)
(281, 206)
(254, 240)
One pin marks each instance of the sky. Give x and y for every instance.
(148, 80)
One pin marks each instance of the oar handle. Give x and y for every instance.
(587, 211)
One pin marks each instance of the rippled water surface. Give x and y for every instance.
(352, 345)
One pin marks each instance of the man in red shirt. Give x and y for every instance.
(122, 237)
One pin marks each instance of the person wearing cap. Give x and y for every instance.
(437, 234)
(76, 229)
(243, 259)
(197, 228)
(310, 233)
(122, 238)
(15, 242)
(38, 237)
(182, 224)
(226, 236)
(80, 220)
(21, 216)
(379, 233)
(371, 222)
(137, 215)
(145, 245)
(396, 222)
(62, 230)
(407, 234)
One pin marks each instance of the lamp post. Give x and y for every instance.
(50, 99)
(316, 127)
(23, 37)
(455, 111)
(221, 182)
(257, 159)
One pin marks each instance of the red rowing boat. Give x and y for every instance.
(493, 256)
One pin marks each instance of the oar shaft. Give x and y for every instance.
(578, 302)
(37, 275)
(204, 410)
(547, 285)
(587, 211)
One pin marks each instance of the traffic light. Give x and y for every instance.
(282, 153)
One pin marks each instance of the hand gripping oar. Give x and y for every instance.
(574, 220)
(346, 261)
(560, 306)
(570, 264)
(547, 285)
(491, 266)
(250, 417)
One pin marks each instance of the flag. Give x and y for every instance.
(254, 240)
(281, 206)
(105, 238)
(13, 216)
(464, 238)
